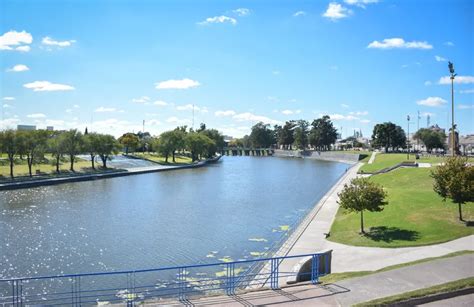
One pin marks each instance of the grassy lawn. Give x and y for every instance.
(443, 288)
(383, 160)
(335, 277)
(178, 158)
(21, 169)
(415, 215)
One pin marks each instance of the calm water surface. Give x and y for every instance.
(230, 209)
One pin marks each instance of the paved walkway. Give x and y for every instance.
(372, 157)
(347, 258)
(355, 290)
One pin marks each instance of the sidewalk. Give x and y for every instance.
(355, 290)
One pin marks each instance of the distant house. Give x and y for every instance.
(466, 144)
(25, 127)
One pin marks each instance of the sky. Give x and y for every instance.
(109, 65)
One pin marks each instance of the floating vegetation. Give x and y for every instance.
(210, 256)
(258, 240)
(226, 259)
(257, 254)
(284, 227)
(237, 271)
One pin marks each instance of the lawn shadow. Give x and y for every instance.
(389, 234)
(470, 223)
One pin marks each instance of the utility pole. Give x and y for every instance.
(143, 129)
(418, 129)
(193, 116)
(408, 137)
(453, 135)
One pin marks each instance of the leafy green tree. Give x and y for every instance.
(431, 138)
(217, 138)
(107, 145)
(198, 144)
(360, 195)
(455, 180)
(8, 143)
(129, 141)
(167, 144)
(286, 137)
(388, 135)
(91, 142)
(323, 133)
(55, 146)
(72, 144)
(262, 136)
(301, 133)
(35, 143)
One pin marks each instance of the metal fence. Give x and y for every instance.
(155, 285)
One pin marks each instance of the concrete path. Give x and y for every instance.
(355, 290)
(372, 157)
(458, 301)
(311, 238)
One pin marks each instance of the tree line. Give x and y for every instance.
(32, 146)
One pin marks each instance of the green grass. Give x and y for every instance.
(443, 288)
(383, 160)
(21, 167)
(335, 277)
(180, 159)
(415, 215)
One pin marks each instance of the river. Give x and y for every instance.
(235, 209)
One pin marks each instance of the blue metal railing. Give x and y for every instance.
(131, 287)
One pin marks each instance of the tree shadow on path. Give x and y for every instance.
(389, 234)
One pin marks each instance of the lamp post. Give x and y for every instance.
(408, 137)
(453, 135)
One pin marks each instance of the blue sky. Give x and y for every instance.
(109, 65)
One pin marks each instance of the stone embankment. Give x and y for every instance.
(318, 155)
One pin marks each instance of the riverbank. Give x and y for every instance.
(333, 156)
(30, 183)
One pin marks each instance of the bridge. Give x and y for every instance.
(247, 151)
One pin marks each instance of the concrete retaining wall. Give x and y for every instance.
(318, 155)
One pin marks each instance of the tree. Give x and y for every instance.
(8, 143)
(198, 144)
(72, 144)
(388, 135)
(455, 180)
(301, 134)
(107, 145)
(56, 148)
(215, 136)
(431, 138)
(323, 133)
(262, 135)
(286, 137)
(360, 195)
(167, 144)
(90, 145)
(35, 145)
(129, 141)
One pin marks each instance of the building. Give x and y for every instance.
(466, 144)
(25, 127)
(50, 128)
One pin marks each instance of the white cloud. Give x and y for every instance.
(360, 3)
(276, 72)
(345, 106)
(224, 113)
(51, 42)
(160, 103)
(431, 102)
(177, 84)
(290, 112)
(450, 44)
(247, 116)
(466, 106)
(175, 120)
(190, 107)
(365, 121)
(69, 111)
(218, 19)
(391, 43)
(6, 106)
(104, 109)
(76, 106)
(143, 99)
(336, 11)
(18, 68)
(299, 13)
(359, 113)
(242, 11)
(273, 98)
(427, 83)
(14, 40)
(42, 86)
(9, 123)
(428, 114)
(153, 122)
(457, 80)
(439, 59)
(342, 117)
(8, 98)
(469, 91)
(36, 115)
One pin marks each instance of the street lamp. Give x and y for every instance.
(451, 71)
(408, 137)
